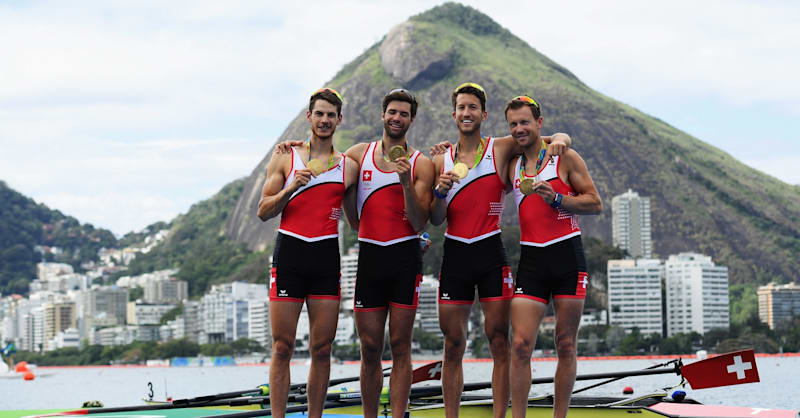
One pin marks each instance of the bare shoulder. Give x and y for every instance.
(357, 151)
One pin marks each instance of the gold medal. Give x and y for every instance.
(461, 170)
(396, 152)
(316, 166)
(526, 186)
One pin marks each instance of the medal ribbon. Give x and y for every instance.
(330, 160)
(539, 161)
(478, 154)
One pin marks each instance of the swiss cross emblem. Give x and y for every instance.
(367, 176)
(516, 184)
(585, 281)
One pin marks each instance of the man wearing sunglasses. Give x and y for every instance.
(469, 194)
(389, 208)
(549, 195)
(306, 185)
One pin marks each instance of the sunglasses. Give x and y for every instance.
(328, 90)
(474, 85)
(526, 99)
(402, 91)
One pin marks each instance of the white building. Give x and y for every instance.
(345, 330)
(697, 294)
(428, 308)
(167, 290)
(223, 315)
(778, 304)
(634, 295)
(147, 313)
(349, 267)
(67, 338)
(258, 321)
(630, 224)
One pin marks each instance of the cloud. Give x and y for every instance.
(122, 113)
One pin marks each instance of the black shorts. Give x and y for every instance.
(481, 264)
(302, 269)
(388, 276)
(557, 270)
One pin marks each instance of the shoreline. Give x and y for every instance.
(419, 361)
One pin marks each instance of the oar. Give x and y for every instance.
(217, 400)
(655, 366)
(262, 390)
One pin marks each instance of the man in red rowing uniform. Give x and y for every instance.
(549, 196)
(306, 187)
(469, 195)
(389, 208)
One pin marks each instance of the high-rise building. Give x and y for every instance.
(630, 224)
(349, 267)
(634, 295)
(778, 304)
(165, 291)
(428, 308)
(697, 294)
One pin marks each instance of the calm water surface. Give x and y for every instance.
(70, 387)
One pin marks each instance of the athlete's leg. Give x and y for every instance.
(401, 325)
(495, 314)
(526, 315)
(453, 322)
(323, 314)
(283, 317)
(370, 326)
(568, 318)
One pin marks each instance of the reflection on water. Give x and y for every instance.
(70, 387)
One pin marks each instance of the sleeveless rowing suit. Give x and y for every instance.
(473, 250)
(308, 231)
(389, 258)
(552, 261)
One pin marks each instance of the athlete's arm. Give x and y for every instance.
(273, 197)
(285, 147)
(511, 170)
(440, 148)
(557, 144)
(349, 202)
(444, 182)
(416, 191)
(573, 169)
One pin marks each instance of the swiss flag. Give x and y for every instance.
(723, 370)
(432, 371)
(367, 176)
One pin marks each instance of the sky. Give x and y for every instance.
(123, 113)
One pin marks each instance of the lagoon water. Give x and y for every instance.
(70, 387)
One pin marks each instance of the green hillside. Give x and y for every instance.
(25, 224)
(197, 245)
(702, 199)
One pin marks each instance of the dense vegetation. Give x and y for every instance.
(25, 224)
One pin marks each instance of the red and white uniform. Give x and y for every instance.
(381, 206)
(540, 224)
(313, 211)
(475, 204)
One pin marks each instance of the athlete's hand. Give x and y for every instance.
(403, 168)
(285, 147)
(545, 190)
(446, 181)
(301, 178)
(556, 148)
(440, 148)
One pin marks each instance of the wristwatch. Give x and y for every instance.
(557, 201)
(438, 194)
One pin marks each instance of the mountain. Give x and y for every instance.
(25, 224)
(702, 199)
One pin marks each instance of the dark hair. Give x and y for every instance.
(522, 101)
(327, 95)
(401, 95)
(480, 94)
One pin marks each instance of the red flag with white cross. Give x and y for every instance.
(723, 370)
